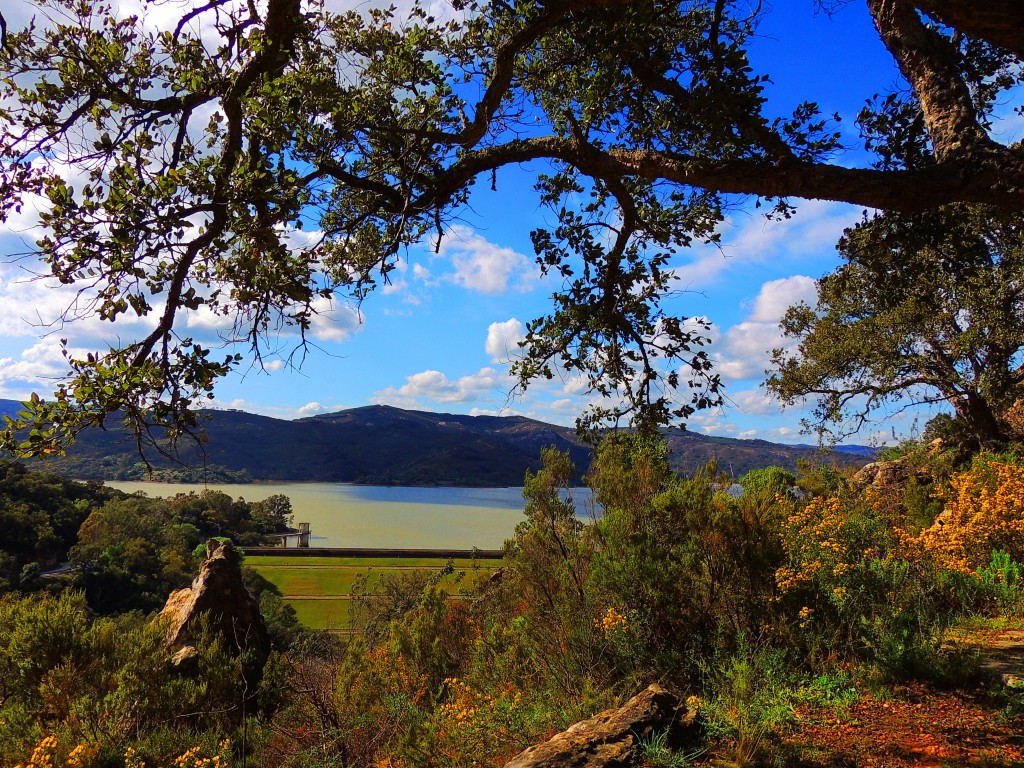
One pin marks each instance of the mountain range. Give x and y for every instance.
(383, 445)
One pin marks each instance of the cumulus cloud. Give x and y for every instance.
(37, 368)
(311, 409)
(746, 346)
(752, 239)
(754, 402)
(503, 340)
(491, 412)
(424, 275)
(576, 384)
(333, 321)
(711, 422)
(274, 411)
(205, 319)
(480, 265)
(776, 296)
(436, 387)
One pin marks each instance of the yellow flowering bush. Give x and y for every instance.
(194, 757)
(984, 512)
(132, 759)
(826, 544)
(45, 755)
(849, 587)
(474, 727)
(612, 622)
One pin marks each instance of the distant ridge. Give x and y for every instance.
(383, 445)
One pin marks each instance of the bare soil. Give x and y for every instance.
(980, 724)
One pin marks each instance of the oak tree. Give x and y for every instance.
(204, 145)
(928, 308)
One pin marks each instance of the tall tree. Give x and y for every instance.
(928, 307)
(203, 151)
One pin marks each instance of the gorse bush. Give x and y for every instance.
(104, 681)
(749, 604)
(983, 512)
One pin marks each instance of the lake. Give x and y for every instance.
(343, 515)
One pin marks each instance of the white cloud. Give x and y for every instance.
(750, 238)
(334, 322)
(436, 387)
(565, 405)
(776, 296)
(311, 409)
(754, 402)
(503, 340)
(424, 275)
(274, 411)
(483, 266)
(37, 368)
(205, 319)
(746, 346)
(576, 384)
(711, 422)
(491, 412)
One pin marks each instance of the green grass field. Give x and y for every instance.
(375, 562)
(319, 588)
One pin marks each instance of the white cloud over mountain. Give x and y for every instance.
(503, 340)
(480, 265)
(435, 387)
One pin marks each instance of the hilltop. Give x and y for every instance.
(383, 445)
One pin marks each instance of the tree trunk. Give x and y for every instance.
(976, 413)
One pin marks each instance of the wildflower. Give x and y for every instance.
(611, 622)
(805, 616)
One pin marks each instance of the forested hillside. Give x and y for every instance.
(381, 445)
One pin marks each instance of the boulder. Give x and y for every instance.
(608, 739)
(888, 475)
(219, 595)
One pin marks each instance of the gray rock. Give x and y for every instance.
(219, 595)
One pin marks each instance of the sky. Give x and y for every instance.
(440, 337)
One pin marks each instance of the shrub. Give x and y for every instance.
(984, 512)
(769, 480)
(749, 698)
(848, 589)
(474, 726)
(688, 568)
(1001, 578)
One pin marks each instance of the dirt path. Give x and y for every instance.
(1003, 655)
(920, 726)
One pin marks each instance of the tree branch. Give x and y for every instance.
(929, 63)
(1000, 22)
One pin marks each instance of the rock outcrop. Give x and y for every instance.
(608, 739)
(897, 472)
(219, 596)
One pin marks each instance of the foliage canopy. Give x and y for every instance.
(201, 155)
(929, 307)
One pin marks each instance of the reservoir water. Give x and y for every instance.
(377, 516)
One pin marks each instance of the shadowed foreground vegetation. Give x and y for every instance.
(802, 601)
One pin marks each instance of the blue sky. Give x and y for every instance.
(439, 337)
